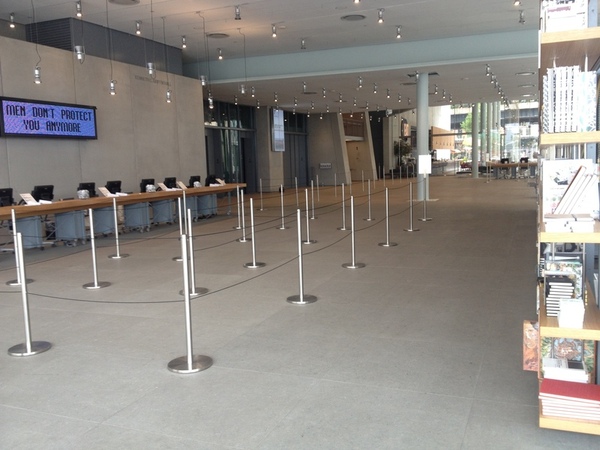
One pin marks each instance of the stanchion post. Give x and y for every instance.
(353, 264)
(343, 227)
(425, 218)
(95, 284)
(302, 298)
(410, 209)
(308, 239)
(189, 363)
(282, 227)
(369, 218)
(261, 194)
(318, 190)
(239, 225)
(118, 255)
(28, 348)
(18, 261)
(387, 242)
(253, 264)
(194, 291)
(312, 199)
(181, 231)
(296, 184)
(243, 209)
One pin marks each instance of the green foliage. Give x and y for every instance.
(467, 124)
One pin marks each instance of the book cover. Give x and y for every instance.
(531, 345)
(582, 392)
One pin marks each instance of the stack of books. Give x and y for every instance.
(566, 370)
(570, 400)
(558, 287)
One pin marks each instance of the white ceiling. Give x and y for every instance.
(454, 39)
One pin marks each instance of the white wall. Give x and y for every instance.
(326, 145)
(139, 134)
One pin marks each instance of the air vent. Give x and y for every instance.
(353, 17)
(54, 33)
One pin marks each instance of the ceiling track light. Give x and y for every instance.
(37, 75)
(435, 90)
(113, 87)
(360, 82)
(138, 27)
(354, 102)
(399, 98)
(235, 99)
(304, 87)
(398, 33)
(252, 91)
(151, 69)
(380, 16)
(257, 104)
(169, 95)
(203, 80)
(295, 101)
(12, 20)
(183, 42)
(302, 44)
(273, 31)
(356, 2)
(326, 108)
(340, 98)
(387, 93)
(80, 53)
(324, 93)
(517, 3)
(211, 102)
(78, 10)
(312, 105)
(275, 98)
(220, 54)
(521, 17)
(488, 71)
(238, 14)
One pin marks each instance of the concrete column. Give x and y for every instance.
(475, 139)
(490, 129)
(422, 128)
(484, 131)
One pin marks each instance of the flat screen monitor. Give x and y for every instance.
(113, 186)
(88, 186)
(145, 182)
(193, 179)
(504, 161)
(35, 118)
(6, 197)
(43, 192)
(170, 182)
(524, 160)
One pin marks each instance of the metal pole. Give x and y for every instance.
(362, 179)
(282, 227)
(18, 262)
(261, 193)
(410, 212)
(353, 264)
(318, 192)
(425, 218)
(243, 238)
(28, 348)
(181, 230)
(296, 183)
(188, 363)
(369, 202)
(301, 299)
(195, 291)
(343, 227)
(253, 264)
(239, 226)
(308, 239)
(116, 220)
(95, 284)
(335, 184)
(312, 199)
(387, 242)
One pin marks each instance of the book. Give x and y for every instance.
(587, 394)
(573, 350)
(531, 345)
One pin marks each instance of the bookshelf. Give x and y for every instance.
(579, 47)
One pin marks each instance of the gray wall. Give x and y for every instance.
(326, 144)
(139, 134)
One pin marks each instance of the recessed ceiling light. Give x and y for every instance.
(525, 73)
(217, 35)
(526, 85)
(353, 17)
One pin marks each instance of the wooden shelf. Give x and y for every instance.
(587, 137)
(591, 324)
(569, 48)
(590, 237)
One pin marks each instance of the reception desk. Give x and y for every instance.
(136, 204)
(512, 169)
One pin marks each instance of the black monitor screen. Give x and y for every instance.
(90, 187)
(43, 192)
(504, 161)
(145, 182)
(170, 182)
(6, 197)
(524, 160)
(193, 179)
(113, 186)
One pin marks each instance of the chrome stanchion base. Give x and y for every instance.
(36, 347)
(387, 244)
(305, 300)
(199, 291)
(124, 255)
(244, 239)
(177, 258)
(101, 284)
(199, 363)
(251, 265)
(309, 241)
(369, 219)
(344, 229)
(411, 229)
(282, 228)
(16, 282)
(425, 219)
(237, 228)
(353, 266)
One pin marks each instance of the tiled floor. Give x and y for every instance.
(420, 349)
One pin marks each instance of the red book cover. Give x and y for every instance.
(589, 393)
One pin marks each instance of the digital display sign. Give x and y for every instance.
(32, 118)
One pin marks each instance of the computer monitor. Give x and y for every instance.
(144, 182)
(170, 182)
(88, 186)
(6, 197)
(43, 192)
(113, 186)
(193, 179)
(524, 160)
(504, 160)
